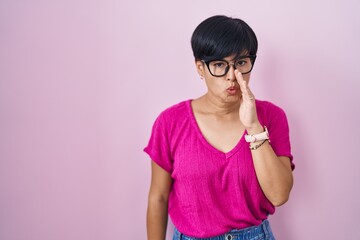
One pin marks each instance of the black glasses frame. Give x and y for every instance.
(252, 59)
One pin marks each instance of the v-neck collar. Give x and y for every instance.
(205, 142)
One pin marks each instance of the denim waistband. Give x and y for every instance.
(262, 231)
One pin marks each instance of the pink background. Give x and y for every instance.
(81, 83)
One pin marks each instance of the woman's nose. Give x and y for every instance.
(231, 73)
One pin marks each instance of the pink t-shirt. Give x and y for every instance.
(213, 192)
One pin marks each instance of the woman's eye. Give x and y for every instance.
(241, 63)
(219, 64)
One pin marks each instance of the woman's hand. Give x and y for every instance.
(247, 111)
(273, 172)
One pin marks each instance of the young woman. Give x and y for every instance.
(221, 163)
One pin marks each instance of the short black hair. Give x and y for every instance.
(220, 36)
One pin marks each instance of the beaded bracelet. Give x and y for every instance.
(257, 146)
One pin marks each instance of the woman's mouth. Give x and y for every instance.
(232, 90)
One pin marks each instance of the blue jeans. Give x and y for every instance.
(261, 232)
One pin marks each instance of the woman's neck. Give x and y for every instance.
(216, 106)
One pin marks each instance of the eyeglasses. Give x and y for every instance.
(219, 68)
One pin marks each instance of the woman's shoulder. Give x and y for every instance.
(267, 106)
(177, 108)
(268, 111)
(176, 111)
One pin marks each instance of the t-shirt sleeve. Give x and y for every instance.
(158, 147)
(278, 128)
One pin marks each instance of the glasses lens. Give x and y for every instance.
(244, 65)
(218, 68)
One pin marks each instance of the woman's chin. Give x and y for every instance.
(232, 98)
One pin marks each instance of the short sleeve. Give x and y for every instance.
(279, 134)
(158, 147)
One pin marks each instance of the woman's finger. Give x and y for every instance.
(244, 86)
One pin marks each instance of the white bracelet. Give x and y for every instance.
(258, 137)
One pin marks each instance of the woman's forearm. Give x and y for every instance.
(156, 220)
(274, 174)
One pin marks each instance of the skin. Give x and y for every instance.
(222, 118)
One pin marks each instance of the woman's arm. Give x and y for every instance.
(157, 212)
(273, 172)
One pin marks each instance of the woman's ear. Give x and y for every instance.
(200, 68)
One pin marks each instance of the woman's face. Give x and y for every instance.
(226, 88)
